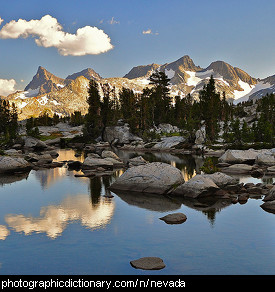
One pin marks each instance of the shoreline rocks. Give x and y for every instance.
(199, 185)
(10, 164)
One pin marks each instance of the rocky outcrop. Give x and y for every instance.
(239, 156)
(200, 136)
(199, 185)
(136, 161)
(155, 177)
(120, 134)
(94, 162)
(34, 143)
(169, 142)
(13, 164)
(265, 158)
(221, 179)
(255, 162)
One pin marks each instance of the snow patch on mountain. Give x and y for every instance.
(241, 96)
(170, 73)
(247, 88)
(193, 80)
(43, 100)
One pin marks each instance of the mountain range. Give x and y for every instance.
(47, 92)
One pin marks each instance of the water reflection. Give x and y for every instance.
(4, 232)
(95, 211)
(209, 206)
(9, 178)
(151, 202)
(53, 219)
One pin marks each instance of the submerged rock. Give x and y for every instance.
(175, 218)
(238, 168)
(155, 177)
(148, 263)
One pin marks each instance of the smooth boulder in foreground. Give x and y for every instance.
(155, 178)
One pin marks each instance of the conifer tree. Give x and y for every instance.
(210, 105)
(93, 120)
(129, 107)
(161, 98)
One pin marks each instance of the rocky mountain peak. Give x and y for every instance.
(231, 74)
(44, 81)
(185, 63)
(88, 73)
(142, 71)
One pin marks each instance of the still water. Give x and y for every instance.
(52, 222)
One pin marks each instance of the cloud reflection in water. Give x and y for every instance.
(53, 219)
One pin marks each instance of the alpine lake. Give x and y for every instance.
(53, 223)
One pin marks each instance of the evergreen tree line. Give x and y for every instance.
(155, 105)
(9, 121)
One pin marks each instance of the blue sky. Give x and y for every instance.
(240, 33)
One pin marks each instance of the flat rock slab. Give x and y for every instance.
(148, 263)
(176, 218)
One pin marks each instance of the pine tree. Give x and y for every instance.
(161, 98)
(210, 105)
(146, 110)
(129, 107)
(9, 120)
(93, 120)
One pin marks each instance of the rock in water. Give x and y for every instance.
(269, 206)
(155, 177)
(176, 218)
(13, 164)
(148, 263)
(239, 156)
(197, 186)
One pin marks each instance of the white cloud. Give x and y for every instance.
(1, 20)
(49, 33)
(7, 86)
(149, 31)
(113, 21)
